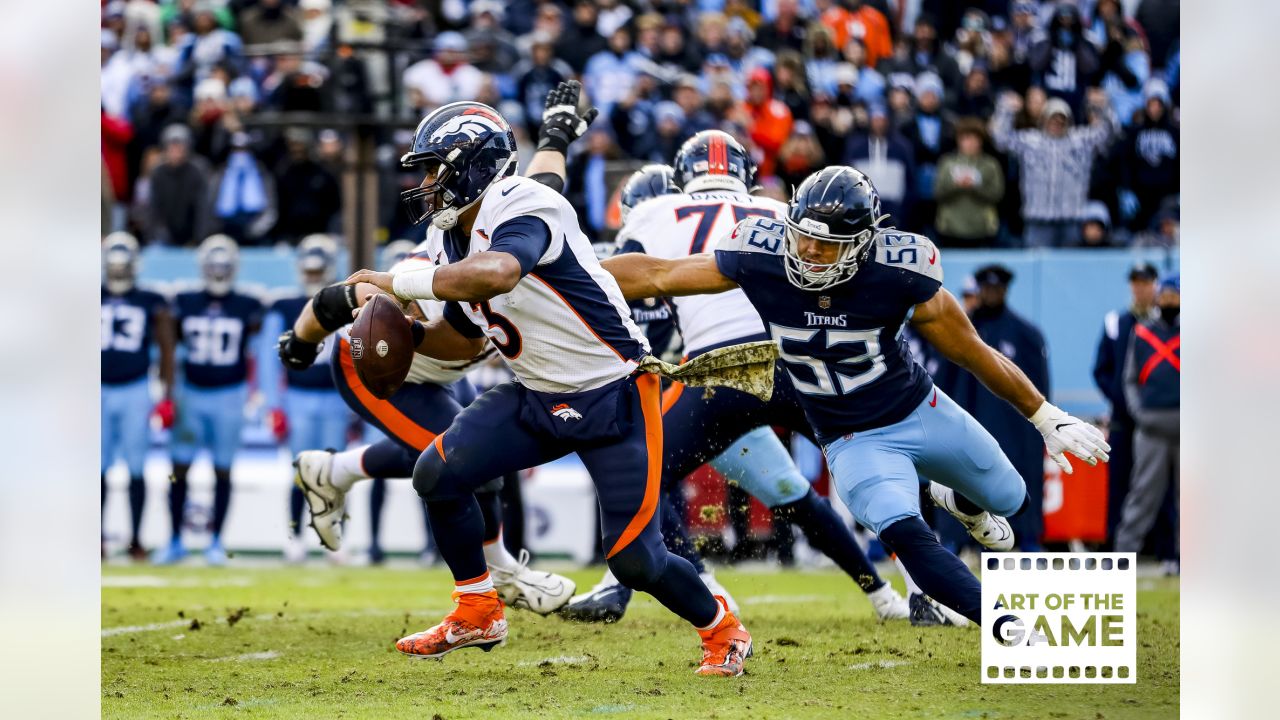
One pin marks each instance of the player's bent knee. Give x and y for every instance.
(1009, 494)
(638, 566)
(427, 473)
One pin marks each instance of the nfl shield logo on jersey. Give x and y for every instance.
(824, 302)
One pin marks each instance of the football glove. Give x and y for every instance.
(279, 423)
(1066, 434)
(295, 353)
(561, 121)
(164, 410)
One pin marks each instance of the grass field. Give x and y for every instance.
(317, 642)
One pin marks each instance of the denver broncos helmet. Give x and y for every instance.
(836, 204)
(649, 181)
(714, 160)
(463, 148)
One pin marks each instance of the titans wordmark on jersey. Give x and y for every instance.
(128, 328)
(842, 346)
(674, 226)
(215, 334)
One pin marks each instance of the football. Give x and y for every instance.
(381, 345)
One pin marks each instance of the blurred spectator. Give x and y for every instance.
(792, 88)
(210, 121)
(744, 58)
(154, 111)
(205, 48)
(611, 72)
(968, 189)
(922, 52)
(309, 195)
(770, 119)
(179, 192)
(296, 85)
(1164, 231)
(580, 41)
(536, 77)
(121, 74)
(493, 49)
(1125, 66)
(1063, 62)
(116, 134)
(929, 134)
(975, 98)
(885, 157)
(587, 186)
(786, 31)
(675, 54)
(671, 124)
(1150, 158)
(548, 23)
(1159, 20)
(444, 78)
(244, 203)
(1152, 378)
(821, 59)
(831, 125)
(270, 21)
(1023, 343)
(1055, 163)
(857, 19)
(317, 22)
(632, 119)
(613, 15)
(1096, 229)
(801, 156)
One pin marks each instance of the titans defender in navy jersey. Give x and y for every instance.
(215, 324)
(133, 321)
(835, 290)
(310, 412)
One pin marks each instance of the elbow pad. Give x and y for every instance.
(333, 305)
(551, 180)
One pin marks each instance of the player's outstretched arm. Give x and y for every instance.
(562, 123)
(473, 279)
(441, 340)
(330, 309)
(942, 322)
(644, 276)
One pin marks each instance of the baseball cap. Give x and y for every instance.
(176, 134)
(969, 286)
(1143, 271)
(994, 274)
(450, 40)
(1057, 106)
(1095, 211)
(1172, 282)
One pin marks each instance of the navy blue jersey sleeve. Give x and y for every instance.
(454, 315)
(527, 238)
(727, 262)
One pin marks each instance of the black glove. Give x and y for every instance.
(561, 121)
(295, 353)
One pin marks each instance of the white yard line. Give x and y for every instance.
(247, 657)
(558, 660)
(425, 614)
(879, 665)
(782, 599)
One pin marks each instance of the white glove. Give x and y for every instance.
(1066, 434)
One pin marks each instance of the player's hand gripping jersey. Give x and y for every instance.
(845, 340)
(673, 226)
(539, 325)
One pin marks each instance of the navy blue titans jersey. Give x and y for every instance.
(317, 377)
(842, 346)
(128, 329)
(215, 334)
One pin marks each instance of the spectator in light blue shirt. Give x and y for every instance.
(611, 72)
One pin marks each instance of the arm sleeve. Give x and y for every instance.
(527, 238)
(551, 180)
(454, 315)
(269, 366)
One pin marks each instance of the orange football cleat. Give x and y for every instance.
(477, 622)
(725, 647)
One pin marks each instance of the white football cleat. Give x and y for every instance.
(521, 587)
(888, 604)
(717, 589)
(313, 469)
(926, 611)
(991, 531)
(295, 550)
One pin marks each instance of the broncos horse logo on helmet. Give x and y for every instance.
(463, 148)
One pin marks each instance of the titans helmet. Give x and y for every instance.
(463, 148)
(837, 204)
(395, 251)
(649, 181)
(219, 259)
(714, 160)
(317, 262)
(119, 262)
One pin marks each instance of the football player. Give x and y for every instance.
(433, 394)
(215, 324)
(716, 173)
(834, 290)
(309, 413)
(513, 266)
(133, 320)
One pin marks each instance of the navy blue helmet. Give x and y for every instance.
(836, 204)
(714, 160)
(463, 148)
(649, 181)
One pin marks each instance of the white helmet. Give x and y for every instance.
(119, 262)
(219, 259)
(395, 251)
(317, 262)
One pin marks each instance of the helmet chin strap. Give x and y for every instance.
(445, 219)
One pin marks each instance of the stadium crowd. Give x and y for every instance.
(985, 123)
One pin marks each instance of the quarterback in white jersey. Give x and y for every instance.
(515, 268)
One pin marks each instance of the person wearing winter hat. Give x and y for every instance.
(1150, 158)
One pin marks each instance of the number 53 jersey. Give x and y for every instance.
(842, 346)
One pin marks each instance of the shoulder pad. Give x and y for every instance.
(908, 251)
(756, 234)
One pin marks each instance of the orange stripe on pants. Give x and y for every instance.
(405, 430)
(649, 387)
(671, 395)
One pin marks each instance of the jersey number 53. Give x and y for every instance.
(830, 378)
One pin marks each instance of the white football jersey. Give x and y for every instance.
(565, 327)
(674, 226)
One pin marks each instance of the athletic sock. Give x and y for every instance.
(941, 575)
(477, 600)
(137, 500)
(459, 533)
(383, 459)
(177, 501)
(912, 587)
(347, 468)
(377, 496)
(497, 556)
(720, 613)
(296, 504)
(221, 499)
(829, 535)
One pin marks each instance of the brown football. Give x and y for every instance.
(381, 346)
